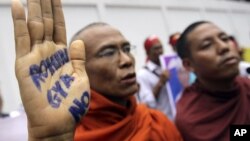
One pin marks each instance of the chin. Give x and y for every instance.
(231, 75)
(130, 91)
(135, 88)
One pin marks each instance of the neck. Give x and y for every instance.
(156, 62)
(218, 85)
(118, 100)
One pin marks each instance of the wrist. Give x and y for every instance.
(49, 135)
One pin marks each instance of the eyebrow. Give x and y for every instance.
(219, 34)
(113, 45)
(125, 43)
(222, 33)
(107, 46)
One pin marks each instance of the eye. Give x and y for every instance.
(225, 38)
(206, 44)
(107, 52)
(126, 48)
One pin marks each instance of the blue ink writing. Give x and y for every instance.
(54, 99)
(53, 94)
(67, 80)
(81, 106)
(58, 89)
(35, 72)
(39, 73)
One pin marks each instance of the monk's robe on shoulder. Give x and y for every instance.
(203, 115)
(108, 121)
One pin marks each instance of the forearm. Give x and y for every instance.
(161, 82)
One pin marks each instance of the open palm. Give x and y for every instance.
(52, 80)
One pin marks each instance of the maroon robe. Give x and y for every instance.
(203, 115)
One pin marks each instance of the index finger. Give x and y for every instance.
(59, 23)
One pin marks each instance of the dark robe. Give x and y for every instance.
(108, 121)
(203, 115)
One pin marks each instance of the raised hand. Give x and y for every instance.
(164, 76)
(53, 83)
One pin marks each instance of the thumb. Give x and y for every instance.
(77, 56)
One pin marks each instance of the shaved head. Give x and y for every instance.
(108, 59)
(90, 26)
(92, 34)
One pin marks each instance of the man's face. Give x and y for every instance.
(109, 63)
(213, 55)
(155, 51)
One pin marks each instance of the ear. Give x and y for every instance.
(188, 65)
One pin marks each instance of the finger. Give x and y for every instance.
(47, 19)
(22, 38)
(35, 22)
(59, 23)
(77, 56)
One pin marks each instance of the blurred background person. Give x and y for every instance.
(152, 78)
(173, 38)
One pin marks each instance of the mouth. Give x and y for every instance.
(129, 79)
(230, 61)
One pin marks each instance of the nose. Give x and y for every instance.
(222, 47)
(125, 60)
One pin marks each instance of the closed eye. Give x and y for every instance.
(107, 52)
(206, 44)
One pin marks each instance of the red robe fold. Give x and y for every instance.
(203, 115)
(108, 121)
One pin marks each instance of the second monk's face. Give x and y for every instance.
(213, 54)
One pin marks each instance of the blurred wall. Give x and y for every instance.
(135, 18)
